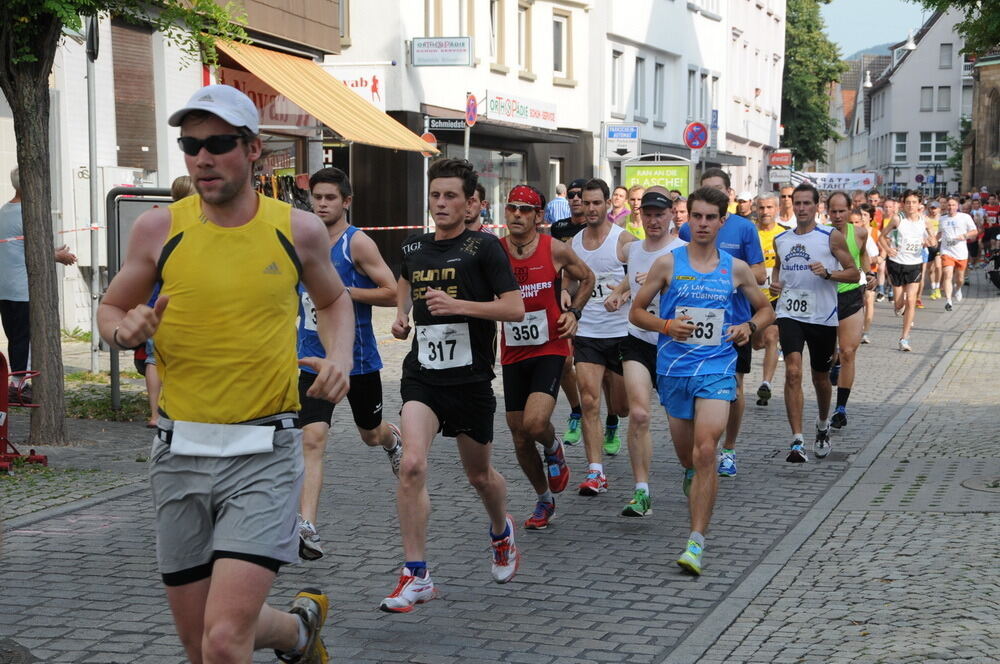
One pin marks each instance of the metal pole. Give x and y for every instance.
(423, 202)
(467, 132)
(95, 263)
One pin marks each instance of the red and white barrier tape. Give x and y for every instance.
(71, 230)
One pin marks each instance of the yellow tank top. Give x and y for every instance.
(226, 344)
(633, 224)
(767, 246)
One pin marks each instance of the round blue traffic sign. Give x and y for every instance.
(696, 135)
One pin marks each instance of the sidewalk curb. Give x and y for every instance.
(704, 635)
(86, 503)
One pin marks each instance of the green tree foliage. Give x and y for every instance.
(30, 31)
(812, 62)
(980, 29)
(956, 147)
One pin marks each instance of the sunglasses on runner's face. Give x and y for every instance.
(523, 209)
(576, 193)
(218, 144)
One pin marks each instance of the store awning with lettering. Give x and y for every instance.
(322, 96)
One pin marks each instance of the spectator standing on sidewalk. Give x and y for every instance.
(558, 207)
(14, 289)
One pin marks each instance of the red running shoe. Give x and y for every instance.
(539, 520)
(557, 470)
(594, 484)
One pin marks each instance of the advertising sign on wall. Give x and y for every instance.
(519, 110)
(275, 108)
(671, 176)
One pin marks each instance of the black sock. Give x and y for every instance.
(611, 421)
(843, 394)
(576, 410)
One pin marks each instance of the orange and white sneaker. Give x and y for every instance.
(505, 555)
(594, 484)
(410, 591)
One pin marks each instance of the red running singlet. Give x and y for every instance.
(538, 333)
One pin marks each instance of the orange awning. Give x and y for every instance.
(327, 99)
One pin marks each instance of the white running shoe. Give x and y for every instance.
(309, 543)
(410, 591)
(958, 295)
(904, 345)
(505, 555)
(396, 453)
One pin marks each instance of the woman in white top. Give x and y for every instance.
(903, 239)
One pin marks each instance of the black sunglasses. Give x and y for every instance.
(576, 193)
(523, 209)
(218, 144)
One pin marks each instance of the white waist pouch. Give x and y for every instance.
(200, 439)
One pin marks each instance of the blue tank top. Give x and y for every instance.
(709, 299)
(366, 356)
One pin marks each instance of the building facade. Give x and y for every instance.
(916, 106)
(981, 162)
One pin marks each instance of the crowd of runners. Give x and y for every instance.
(636, 292)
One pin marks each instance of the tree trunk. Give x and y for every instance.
(26, 87)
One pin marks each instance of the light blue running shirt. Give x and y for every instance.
(709, 300)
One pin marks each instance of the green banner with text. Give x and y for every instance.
(671, 176)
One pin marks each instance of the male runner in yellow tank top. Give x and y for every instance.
(226, 466)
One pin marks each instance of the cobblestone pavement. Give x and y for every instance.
(80, 583)
(904, 569)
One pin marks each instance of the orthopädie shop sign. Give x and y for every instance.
(519, 110)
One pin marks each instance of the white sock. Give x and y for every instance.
(935, 285)
(642, 486)
(303, 636)
(798, 437)
(822, 425)
(546, 497)
(764, 382)
(697, 538)
(596, 468)
(551, 449)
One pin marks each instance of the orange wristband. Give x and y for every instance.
(666, 326)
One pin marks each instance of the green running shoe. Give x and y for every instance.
(640, 505)
(690, 560)
(688, 476)
(572, 435)
(612, 442)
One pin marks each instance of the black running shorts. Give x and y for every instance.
(643, 352)
(850, 302)
(461, 409)
(364, 395)
(535, 374)
(605, 352)
(795, 335)
(900, 275)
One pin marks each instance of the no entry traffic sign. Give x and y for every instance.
(696, 135)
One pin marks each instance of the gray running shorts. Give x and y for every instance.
(243, 504)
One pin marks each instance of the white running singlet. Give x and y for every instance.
(639, 261)
(806, 297)
(596, 322)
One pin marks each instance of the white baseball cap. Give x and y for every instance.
(745, 196)
(224, 101)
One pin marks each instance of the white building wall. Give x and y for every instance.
(751, 112)
(899, 108)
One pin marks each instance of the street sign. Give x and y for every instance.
(428, 137)
(446, 124)
(621, 141)
(780, 158)
(471, 110)
(919, 177)
(779, 175)
(696, 135)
